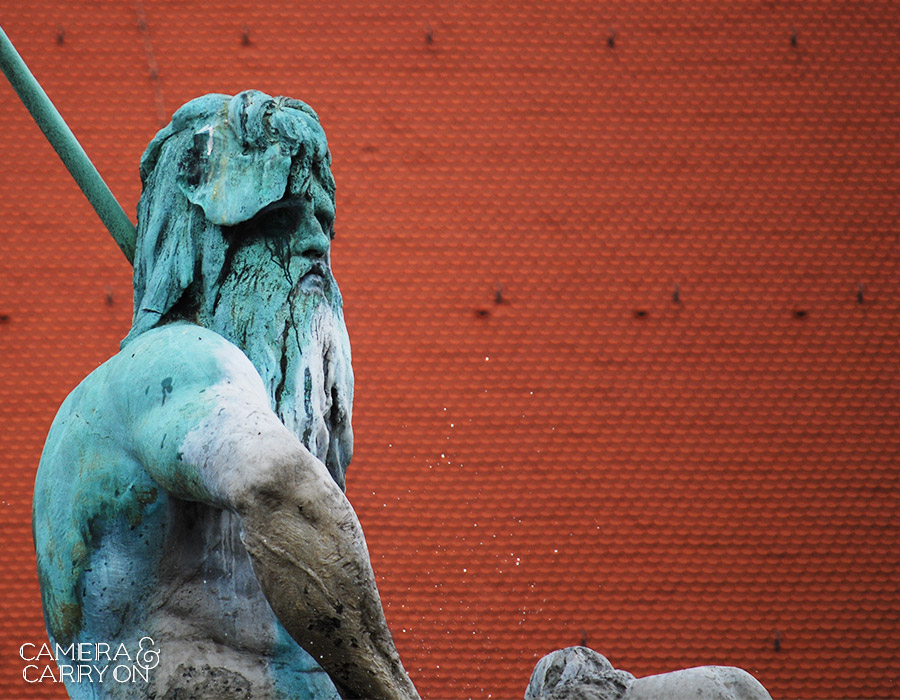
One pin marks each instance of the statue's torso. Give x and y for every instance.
(121, 559)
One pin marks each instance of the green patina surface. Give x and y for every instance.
(89, 482)
(89, 478)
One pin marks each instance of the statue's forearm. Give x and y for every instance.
(311, 560)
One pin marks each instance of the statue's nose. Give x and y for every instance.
(318, 241)
(316, 244)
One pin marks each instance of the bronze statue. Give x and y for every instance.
(191, 488)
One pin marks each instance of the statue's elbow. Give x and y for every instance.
(294, 481)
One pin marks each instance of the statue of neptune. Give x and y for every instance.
(191, 488)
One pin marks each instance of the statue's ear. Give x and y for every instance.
(231, 184)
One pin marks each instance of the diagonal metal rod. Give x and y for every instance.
(67, 147)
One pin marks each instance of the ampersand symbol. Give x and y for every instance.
(147, 658)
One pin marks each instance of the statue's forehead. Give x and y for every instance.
(295, 127)
(234, 156)
(255, 120)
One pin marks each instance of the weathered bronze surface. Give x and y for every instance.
(191, 488)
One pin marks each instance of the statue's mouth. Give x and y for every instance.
(314, 279)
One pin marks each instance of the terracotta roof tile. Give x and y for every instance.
(675, 482)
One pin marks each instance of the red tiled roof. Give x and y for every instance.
(674, 483)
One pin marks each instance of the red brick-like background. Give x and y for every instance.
(623, 287)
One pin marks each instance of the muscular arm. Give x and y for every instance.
(210, 436)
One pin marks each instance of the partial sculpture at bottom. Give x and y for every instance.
(580, 673)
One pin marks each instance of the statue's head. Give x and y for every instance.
(235, 224)
(227, 172)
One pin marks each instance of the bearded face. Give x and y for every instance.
(234, 233)
(277, 299)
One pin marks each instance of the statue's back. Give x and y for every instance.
(89, 486)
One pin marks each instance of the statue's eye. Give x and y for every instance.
(307, 188)
(279, 222)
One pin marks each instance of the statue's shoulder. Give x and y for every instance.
(192, 352)
(152, 367)
(174, 334)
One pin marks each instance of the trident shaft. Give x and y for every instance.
(67, 147)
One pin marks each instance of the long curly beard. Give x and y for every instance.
(291, 326)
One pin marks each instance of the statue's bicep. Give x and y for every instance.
(212, 445)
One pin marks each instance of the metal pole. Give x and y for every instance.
(67, 147)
